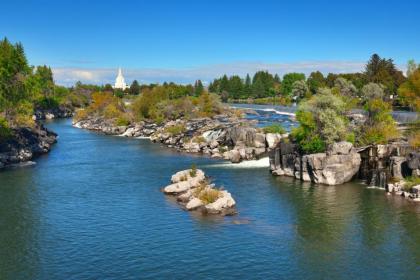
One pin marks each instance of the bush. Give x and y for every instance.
(198, 139)
(81, 115)
(411, 182)
(193, 171)
(380, 127)
(47, 103)
(414, 140)
(5, 130)
(122, 121)
(175, 129)
(208, 196)
(322, 122)
(274, 128)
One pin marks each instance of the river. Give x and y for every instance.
(92, 209)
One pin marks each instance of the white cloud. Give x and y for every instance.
(70, 75)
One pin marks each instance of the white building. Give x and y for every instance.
(119, 81)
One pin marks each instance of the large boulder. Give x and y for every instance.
(224, 203)
(340, 148)
(396, 164)
(413, 160)
(272, 139)
(337, 166)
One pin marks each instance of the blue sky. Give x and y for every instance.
(184, 40)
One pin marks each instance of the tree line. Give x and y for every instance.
(296, 86)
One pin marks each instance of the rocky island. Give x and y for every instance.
(194, 192)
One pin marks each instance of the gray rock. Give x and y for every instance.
(340, 148)
(413, 160)
(272, 139)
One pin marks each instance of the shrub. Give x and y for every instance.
(322, 122)
(47, 103)
(81, 115)
(380, 127)
(373, 91)
(175, 129)
(414, 140)
(122, 121)
(5, 130)
(274, 128)
(199, 139)
(411, 182)
(193, 171)
(208, 196)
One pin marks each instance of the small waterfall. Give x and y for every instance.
(379, 179)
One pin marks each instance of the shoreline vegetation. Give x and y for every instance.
(192, 118)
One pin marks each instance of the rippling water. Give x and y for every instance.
(92, 209)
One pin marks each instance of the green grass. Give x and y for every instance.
(274, 128)
(175, 129)
(411, 182)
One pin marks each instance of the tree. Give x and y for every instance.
(198, 88)
(135, 88)
(16, 84)
(108, 87)
(322, 122)
(235, 87)
(345, 87)
(277, 79)
(409, 91)
(372, 91)
(258, 89)
(383, 71)
(411, 67)
(288, 80)
(380, 127)
(300, 89)
(316, 80)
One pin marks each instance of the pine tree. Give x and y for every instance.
(198, 88)
(135, 88)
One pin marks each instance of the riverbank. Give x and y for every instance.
(98, 199)
(24, 144)
(221, 136)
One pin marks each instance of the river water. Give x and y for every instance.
(92, 209)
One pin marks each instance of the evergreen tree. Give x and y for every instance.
(135, 88)
(198, 88)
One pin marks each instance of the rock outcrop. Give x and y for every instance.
(54, 113)
(194, 192)
(380, 163)
(375, 164)
(338, 165)
(24, 144)
(234, 140)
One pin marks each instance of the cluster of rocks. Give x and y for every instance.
(375, 164)
(24, 144)
(395, 160)
(338, 165)
(54, 113)
(234, 140)
(193, 192)
(399, 188)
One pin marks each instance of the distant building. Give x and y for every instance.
(119, 81)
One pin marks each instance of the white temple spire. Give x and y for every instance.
(119, 81)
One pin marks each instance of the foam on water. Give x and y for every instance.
(259, 163)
